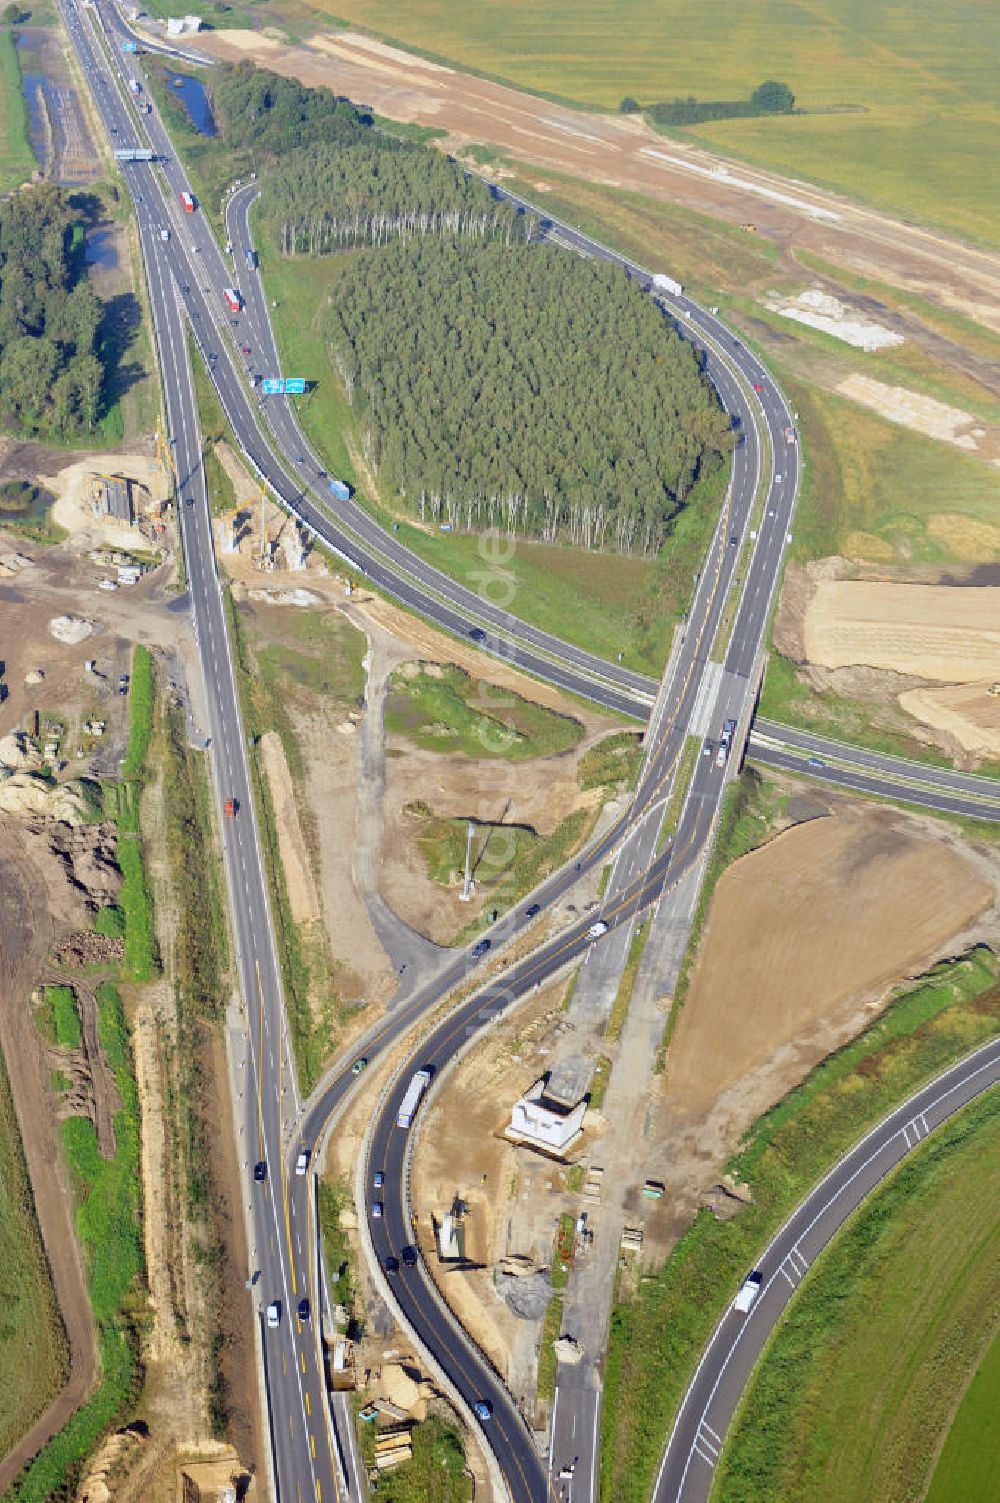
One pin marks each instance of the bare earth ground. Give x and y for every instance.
(805, 938)
(934, 647)
(514, 1197)
(40, 907)
(623, 152)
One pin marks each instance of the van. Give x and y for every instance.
(596, 930)
(749, 1291)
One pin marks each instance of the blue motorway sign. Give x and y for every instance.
(295, 385)
(272, 387)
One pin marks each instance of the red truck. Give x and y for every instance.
(187, 202)
(230, 807)
(233, 300)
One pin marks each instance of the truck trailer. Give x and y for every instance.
(664, 283)
(410, 1102)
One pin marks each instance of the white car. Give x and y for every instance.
(596, 930)
(302, 1162)
(748, 1292)
(376, 1210)
(273, 1315)
(108, 584)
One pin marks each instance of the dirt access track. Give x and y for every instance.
(623, 152)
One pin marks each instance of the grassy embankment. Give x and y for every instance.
(122, 805)
(920, 97)
(286, 664)
(108, 1204)
(108, 1219)
(856, 1388)
(17, 160)
(196, 1194)
(443, 709)
(656, 1341)
(966, 1470)
(34, 1340)
(434, 1474)
(214, 430)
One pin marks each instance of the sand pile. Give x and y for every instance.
(71, 629)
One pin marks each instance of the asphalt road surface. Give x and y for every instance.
(186, 274)
(694, 1447)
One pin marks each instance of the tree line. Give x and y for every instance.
(324, 199)
(514, 386)
(769, 98)
(50, 373)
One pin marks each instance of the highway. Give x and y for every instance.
(708, 1407)
(711, 678)
(280, 1224)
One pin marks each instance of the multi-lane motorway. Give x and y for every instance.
(711, 677)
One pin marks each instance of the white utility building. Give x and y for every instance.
(543, 1123)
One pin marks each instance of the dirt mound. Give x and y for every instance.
(71, 629)
(967, 713)
(26, 794)
(934, 632)
(85, 948)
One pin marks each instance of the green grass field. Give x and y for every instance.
(17, 160)
(108, 1220)
(656, 1339)
(443, 709)
(31, 1330)
(856, 1387)
(969, 1463)
(920, 80)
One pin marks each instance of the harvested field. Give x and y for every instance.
(623, 152)
(928, 631)
(804, 938)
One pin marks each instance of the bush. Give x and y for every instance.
(110, 922)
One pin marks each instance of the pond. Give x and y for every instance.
(101, 250)
(25, 509)
(195, 101)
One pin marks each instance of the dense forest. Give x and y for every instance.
(50, 375)
(271, 115)
(497, 381)
(328, 198)
(519, 387)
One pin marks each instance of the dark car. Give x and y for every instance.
(410, 1256)
(188, 500)
(533, 910)
(303, 1309)
(480, 948)
(391, 1264)
(260, 1171)
(734, 539)
(476, 634)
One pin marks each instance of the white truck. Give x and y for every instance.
(596, 930)
(410, 1102)
(663, 283)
